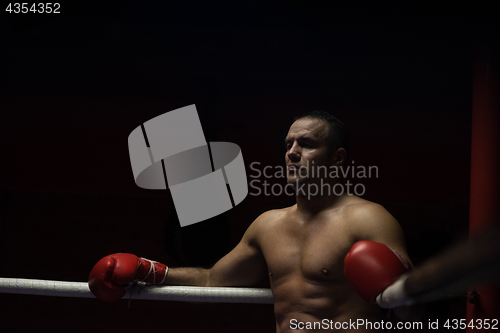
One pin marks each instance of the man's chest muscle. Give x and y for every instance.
(317, 256)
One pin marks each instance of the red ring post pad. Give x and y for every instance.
(371, 267)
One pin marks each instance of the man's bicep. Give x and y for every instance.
(243, 266)
(383, 228)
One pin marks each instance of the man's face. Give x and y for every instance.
(307, 148)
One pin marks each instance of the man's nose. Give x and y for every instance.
(294, 153)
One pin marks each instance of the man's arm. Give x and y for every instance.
(451, 272)
(243, 266)
(375, 223)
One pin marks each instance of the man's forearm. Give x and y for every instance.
(189, 276)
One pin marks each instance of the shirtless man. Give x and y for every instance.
(301, 249)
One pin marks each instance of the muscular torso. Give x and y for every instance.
(305, 257)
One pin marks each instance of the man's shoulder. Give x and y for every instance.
(368, 219)
(361, 209)
(265, 222)
(270, 218)
(273, 216)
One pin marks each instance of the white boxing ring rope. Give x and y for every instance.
(159, 293)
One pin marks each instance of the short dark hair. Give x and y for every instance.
(337, 131)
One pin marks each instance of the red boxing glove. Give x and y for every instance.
(110, 277)
(371, 267)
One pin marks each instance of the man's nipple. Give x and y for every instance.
(325, 271)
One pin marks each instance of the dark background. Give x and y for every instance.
(74, 85)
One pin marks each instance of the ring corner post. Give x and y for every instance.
(484, 300)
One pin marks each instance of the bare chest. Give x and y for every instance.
(316, 254)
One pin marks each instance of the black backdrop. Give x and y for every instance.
(73, 86)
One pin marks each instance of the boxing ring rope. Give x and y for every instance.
(158, 293)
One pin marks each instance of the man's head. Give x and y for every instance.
(315, 139)
(338, 136)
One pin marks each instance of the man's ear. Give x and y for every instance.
(339, 157)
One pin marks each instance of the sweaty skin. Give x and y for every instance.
(301, 249)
